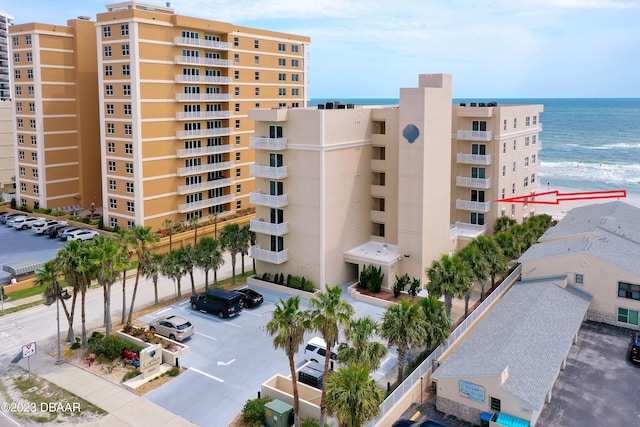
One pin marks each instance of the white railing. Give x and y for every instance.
(463, 181)
(183, 78)
(203, 186)
(197, 60)
(477, 159)
(201, 151)
(198, 133)
(203, 97)
(475, 135)
(269, 200)
(264, 227)
(469, 226)
(200, 115)
(468, 205)
(271, 172)
(264, 143)
(269, 256)
(212, 167)
(200, 204)
(213, 44)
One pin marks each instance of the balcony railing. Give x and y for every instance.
(213, 167)
(201, 151)
(269, 200)
(269, 256)
(263, 227)
(197, 60)
(475, 135)
(201, 115)
(203, 186)
(468, 205)
(212, 44)
(469, 226)
(200, 204)
(181, 78)
(463, 181)
(201, 133)
(203, 97)
(264, 143)
(271, 172)
(474, 159)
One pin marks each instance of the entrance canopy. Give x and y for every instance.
(19, 268)
(377, 253)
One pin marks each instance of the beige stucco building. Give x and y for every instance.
(7, 136)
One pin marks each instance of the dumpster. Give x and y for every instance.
(485, 417)
(278, 414)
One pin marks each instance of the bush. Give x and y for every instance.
(110, 347)
(76, 344)
(413, 287)
(131, 374)
(253, 411)
(371, 278)
(400, 283)
(309, 422)
(173, 372)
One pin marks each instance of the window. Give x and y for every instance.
(16, 41)
(256, 60)
(20, 123)
(23, 187)
(29, 73)
(127, 109)
(109, 109)
(238, 204)
(111, 128)
(513, 188)
(127, 129)
(236, 41)
(282, 62)
(526, 162)
(238, 173)
(107, 51)
(128, 167)
(21, 155)
(295, 48)
(111, 147)
(112, 185)
(113, 204)
(106, 31)
(128, 148)
(533, 159)
(526, 181)
(130, 225)
(282, 77)
(36, 189)
(125, 50)
(479, 149)
(126, 70)
(32, 124)
(479, 125)
(124, 29)
(515, 123)
(27, 40)
(23, 171)
(513, 210)
(108, 70)
(109, 90)
(629, 290)
(34, 157)
(282, 105)
(257, 92)
(236, 91)
(515, 145)
(282, 47)
(237, 108)
(503, 193)
(112, 166)
(20, 139)
(18, 90)
(129, 187)
(113, 222)
(295, 77)
(126, 90)
(533, 178)
(237, 139)
(130, 207)
(534, 140)
(579, 279)
(514, 167)
(295, 91)
(31, 90)
(238, 124)
(477, 172)
(34, 140)
(237, 156)
(236, 58)
(477, 196)
(476, 218)
(628, 316)
(256, 44)
(17, 74)
(527, 121)
(282, 91)
(29, 57)
(294, 63)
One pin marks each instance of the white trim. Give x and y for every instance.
(135, 118)
(61, 165)
(153, 159)
(58, 83)
(39, 117)
(63, 196)
(161, 196)
(50, 49)
(63, 67)
(60, 132)
(170, 100)
(68, 147)
(161, 119)
(59, 116)
(159, 42)
(160, 215)
(323, 258)
(56, 181)
(153, 178)
(58, 99)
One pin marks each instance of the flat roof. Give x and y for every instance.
(378, 253)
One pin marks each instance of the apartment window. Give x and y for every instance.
(129, 187)
(130, 225)
(32, 124)
(236, 58)
(503, 192)
(113, 222)
(238, 204)
(29, 57)
(20, 123)
(515, 123)
(238, 173)
(238, 188)
(23, 171)
(128, 167)
(127, 109)
(128, 148)
(257, 105)
(294, 63)
(513, 188)
(533, 178)
(237, 108)
(34, 157)
(111, 147)
(282, 77)
(477, 172)
(256, 60)
(109, 109)
(111, 128)
(527, 121)
(112, 166)
(16, 41)
(236, 91)
(126, 70)
(18, 90)
(237, 156)
(535, 120)
(109, 90)
(17, 74)
(23, 187)
(112, 185)
(113, 203)
(295, 48)
(36, 189)
(479, 125)
(515, 145)
(236, 74)
(30, 73)
(526, 162)
(20, 139)
(257, 91)
(282, 91)
(476, 218)
(628, 316)
(533, 159)
(282, 62)
(282, 47)
(127, 129)
(31, 90)
(106, 31)
(295, 91)
(34, 140)
(130, 207)
(256, 75)
(526, 141)
(282, 105)
(534, 140)
(124, 29)
(107, 51)
(526, 181)
(579, 279)
(237, 124)
(513, 209)
(629, 290)
(236, 41)
(108, 70)
(237, 139)
(125, 50)
(477, 196)
(256, 44)
(126, 90)
(514, 167)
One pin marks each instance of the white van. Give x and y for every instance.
(316, 351)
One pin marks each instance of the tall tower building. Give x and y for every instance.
(7, 135)
(55, 91)
(175, 92)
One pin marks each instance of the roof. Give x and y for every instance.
(544, 317)
(22, 267)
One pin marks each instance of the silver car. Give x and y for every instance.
(173, 327)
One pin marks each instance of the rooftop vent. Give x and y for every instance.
(84, 18)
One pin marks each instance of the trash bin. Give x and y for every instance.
(485, 417)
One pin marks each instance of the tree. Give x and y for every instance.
(504, 223)
(209, 257)
(124, 241)
(403, 325)
(168, 224)
(352, 397)
(172, 266)
(141, 237)
(189, 257)
(328, 312)
(253, 243)
(448, 276)
(478, 269)
(496, 262)
(151, 270)
(287, 327)
(48, 276)
(437, 323)
(233, 239)
(523, 237)
(507, 244)
(246, 243)
(194, 221)
(362, 351)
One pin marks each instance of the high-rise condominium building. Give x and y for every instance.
(7, 167)
(56, 115)
(174, 95)
(339, 187)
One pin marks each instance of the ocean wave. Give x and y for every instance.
(608, 146)
(611, 174)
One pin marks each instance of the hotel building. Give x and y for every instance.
(7, 136)
(339, 187)
(174, 96)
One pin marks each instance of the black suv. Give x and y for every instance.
(218, 301)
(634, 348)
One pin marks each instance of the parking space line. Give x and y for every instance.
(206, 375)
(253, 314)
(162, 311)
(207, 336)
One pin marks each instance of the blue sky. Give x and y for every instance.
(371, 48)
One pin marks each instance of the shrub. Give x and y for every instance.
(309, 422)
(13, 203)
(413, 287)
(110, 347)
(127, 328)
(253, 411)
(371, 278)
(131, 374)
(76, 344)
(308, 286)
(173, 372)
(400, 283)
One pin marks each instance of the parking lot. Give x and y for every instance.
(230, 358)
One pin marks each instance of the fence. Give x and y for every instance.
(425, 369)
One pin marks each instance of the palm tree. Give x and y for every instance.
(367, 353)
(209, 256)
(328, 312)
(194, 220)
(142, 238)
(504, 223)
(151, 270)
(507, 244)
(124, 241)
(437, 323)
(246, 243)
(287, 326)
(352, 397)
(494, 256)
(448, 276)
(74, 263)
(253, 243)
(172, 266)
(233, 240)
(478, 269)
(48, 276)
(403, 325)
(168, 224)
(189, 257)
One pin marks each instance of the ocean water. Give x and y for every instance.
(587, 144)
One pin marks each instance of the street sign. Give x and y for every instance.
(29, 349)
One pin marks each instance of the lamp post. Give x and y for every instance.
(421, 388)
(61, 293)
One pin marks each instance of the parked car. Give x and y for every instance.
(62, 233)
(173, 327)
(634, 348)
(23, 224)
(219, 301)
(53, 231)
(316, 351)
(249, 297)
(41, 226)
(6, 215)
(10, 221)
(82, 234)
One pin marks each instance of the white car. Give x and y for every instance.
(41, 226)
(25, 223)
(82, 234)
(11, 220)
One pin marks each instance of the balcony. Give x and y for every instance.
(271, 172)
(181, 78)
(201, 204)
(202, 151)
(196, 60)
(271, 257)
(203, 186)
(264, 227)
(202, 115)
(264, 143)
(475, 135)
(186, 97)
(474, 159)
(473, 227)
(201, 133)
(269, 200)
(211, 44)
(213, 167)
(467, 205)
(378, 165)
(463, 181)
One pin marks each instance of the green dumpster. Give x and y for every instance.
(278, 414)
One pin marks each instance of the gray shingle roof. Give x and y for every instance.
(529, 332)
